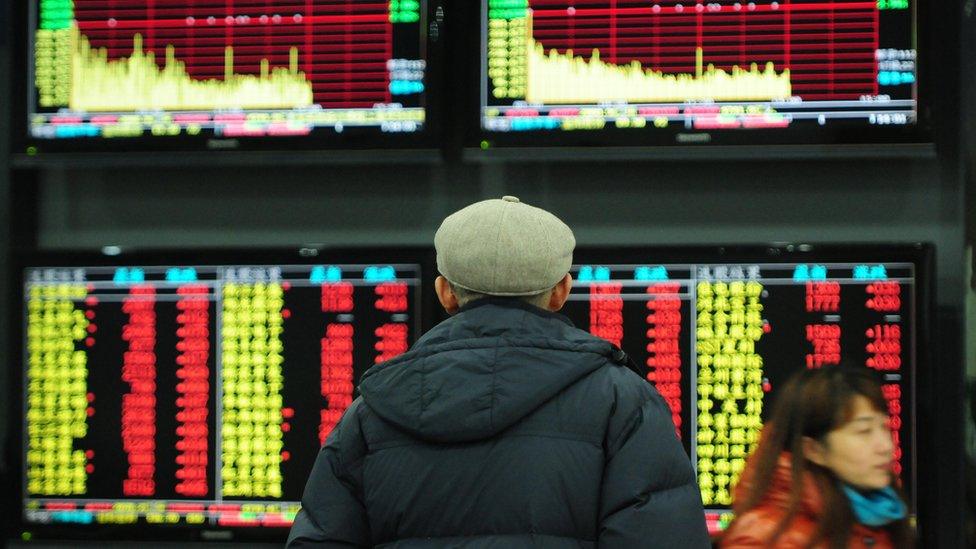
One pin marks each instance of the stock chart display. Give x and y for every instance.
(195, 395)
(224, 68)
(717, 339)
(552, 65)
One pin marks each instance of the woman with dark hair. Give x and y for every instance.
(822, 473)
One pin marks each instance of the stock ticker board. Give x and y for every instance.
(718, 339)
(555, 65)
(194, 394)
(126, 68)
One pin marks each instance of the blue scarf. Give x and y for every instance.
(877, 507)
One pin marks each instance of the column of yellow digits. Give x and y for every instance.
(729, 323)
(235, 343)
(266, 401)
(705, 334)
(57, 390)
(498, 60)
(252, 381)
(746, 328)
(519, 38)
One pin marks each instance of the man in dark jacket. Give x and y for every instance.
(504, 426)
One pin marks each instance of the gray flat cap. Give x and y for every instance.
(504, 247)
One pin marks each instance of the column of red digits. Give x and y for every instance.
(825, 339)
(392, 297)
(664, 354)
(884, 340)
(139, 404)
(884, 349)
(607, 312)
(823, 297)
(892, 394)
(391, 341)
(193, 389)
(336, 357)
(391, 338)
(337, 374)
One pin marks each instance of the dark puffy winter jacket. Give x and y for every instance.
(503, 427)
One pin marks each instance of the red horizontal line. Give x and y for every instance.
(183, 53)
(840, 55)
(606, 27)
(203, 57)
(217, 4)
(291, 30)
(866, 86)
(831, 96)
(259, 41)
(364, 76)
(316, 82)
(752, 54)
(825, 48)
(772, 38)
(363, 87)
(710, 50)
(710, 31)
(663, 3)
(313, 20)
(713, 41)
(713, 56)
(350, 104)
(583, 12)
(707, 19)
(310, 74)
(736, 59)
(751, 40)
(666, 63)
(218, 72)
(379, 97)
(837, 76)
(729, 29)
(726, 60)
(188, 11)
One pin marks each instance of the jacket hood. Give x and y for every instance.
(482, 370)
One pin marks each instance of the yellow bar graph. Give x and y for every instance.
(554, 78)
(136, 83)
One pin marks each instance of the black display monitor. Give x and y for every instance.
(188, 395)
(666, 72)
(105, 74)
(719, 330)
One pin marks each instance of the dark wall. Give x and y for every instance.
(605, 203)
(5, 94)
(968, 43)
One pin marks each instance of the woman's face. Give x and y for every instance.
(859, 452)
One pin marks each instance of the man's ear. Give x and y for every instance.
(446, 295)
(815, 451)
(560, 293)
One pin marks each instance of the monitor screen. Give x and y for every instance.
(717, 334)
(195, 395)
(667, 71)
(335, 70)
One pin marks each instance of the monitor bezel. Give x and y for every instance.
(841, 141)
(426, 142)
(922, 255)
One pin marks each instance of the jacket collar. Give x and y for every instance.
(514, 303)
